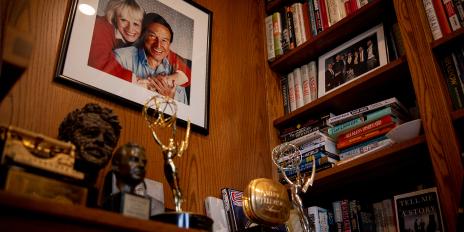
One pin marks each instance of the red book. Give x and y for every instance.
(364, 137)
(324, 15)
(441, 15)
(375, 125)
(306, 21)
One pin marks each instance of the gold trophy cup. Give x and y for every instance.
(160, 113)
(287, 157)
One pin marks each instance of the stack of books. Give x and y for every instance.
(314, 147)
(363, 130)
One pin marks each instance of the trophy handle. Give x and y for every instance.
(286, 177)
(309, 182)
(184, 144)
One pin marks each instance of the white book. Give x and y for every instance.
(299, 7)
(305, 84)
(269, 38)
(312, 79)
(291, 91)
(315, 221)
(298, 87)
(296, 25)
(215, 210)
(392, 102)
(433, 20)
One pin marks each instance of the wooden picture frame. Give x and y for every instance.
(344, 69)
(133, 73)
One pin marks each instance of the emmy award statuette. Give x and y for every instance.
(288, 157)
(155, 113)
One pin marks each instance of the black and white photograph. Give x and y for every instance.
(134, 49)
(352, 60)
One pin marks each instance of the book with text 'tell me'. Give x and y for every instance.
(418, 211)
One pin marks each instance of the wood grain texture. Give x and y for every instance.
(237, 147)
(434, 106)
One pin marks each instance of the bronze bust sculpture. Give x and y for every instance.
(94, 130)
(128, 165)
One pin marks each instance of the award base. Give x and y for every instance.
(185, 220)
(129, 205)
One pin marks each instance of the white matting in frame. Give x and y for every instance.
(73, 64)
(343, 71)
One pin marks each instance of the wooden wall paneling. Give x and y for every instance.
(433, 107)
(237, 147)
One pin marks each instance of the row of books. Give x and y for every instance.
(294, 24)
(413, 211)
(299, 87)
(335, 139)
(452, 64)
(444, 16)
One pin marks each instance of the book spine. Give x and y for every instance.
(291, 91)
(385, 120)
(285, 98)
(338, 217)
(340, 128)
(228, 209)
(346, 226)
(459, 62)
(324, 14)
(458, 70)
(298, 87)
(459, 10)
(354, 5)
(354, 220)
(433, 20)
(326, 145)
(317, 13)
(306, 21)
(290, 27)
(285, 40)
(392, 102)
(313, 79)
(450, 11)
(347, 6)
(312, 18)
(277, 25)
(333, 11)
(299, 8)
(269, 38)
(364, 137)
(313, 214)
(456, 92)
(441, 15)
(363, 149)
(296, 25)
(305, 84)
(299, 133)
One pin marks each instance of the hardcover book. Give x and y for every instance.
(234, 210)
(418, 211)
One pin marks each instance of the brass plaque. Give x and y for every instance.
(20, 182)
(23, 147)
(266, 202)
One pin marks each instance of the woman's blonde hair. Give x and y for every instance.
(115, 6)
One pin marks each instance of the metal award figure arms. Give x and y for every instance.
(287, 157)
(157, 120)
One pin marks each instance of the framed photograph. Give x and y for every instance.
(351, 60)
(130, 50)
(418, 211)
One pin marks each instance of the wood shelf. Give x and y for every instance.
(53, 216)
(457, 115)
(455, 37)
(350, 26)
(390, 80)
(389, 166)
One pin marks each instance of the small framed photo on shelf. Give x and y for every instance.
(130, 50)
(418, 211)
(351, 60)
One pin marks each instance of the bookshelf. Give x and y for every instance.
(30, 214)
(432, 159)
